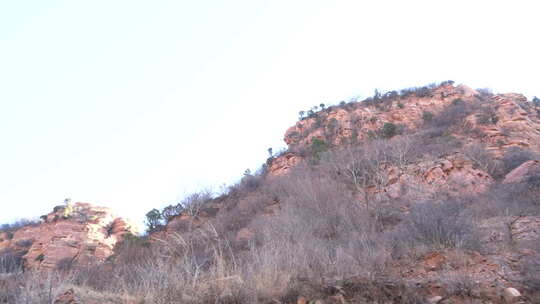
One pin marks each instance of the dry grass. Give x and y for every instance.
(32, 287)
(326, 232)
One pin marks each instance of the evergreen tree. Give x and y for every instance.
(153, 220)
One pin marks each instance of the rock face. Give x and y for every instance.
(512, 122)
(354, 121)
(455, 174)
(71, 235)
(498, 122)
(282, 164)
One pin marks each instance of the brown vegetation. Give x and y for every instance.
(413, 214)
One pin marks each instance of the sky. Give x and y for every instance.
(134, 104)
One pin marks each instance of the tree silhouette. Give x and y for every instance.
(153, 220)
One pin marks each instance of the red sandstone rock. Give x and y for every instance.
(516, 124)
(283, 164)
(83, 236)
(67, 297)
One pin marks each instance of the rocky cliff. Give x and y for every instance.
(76, 234)
(505, 119)
(496, 121)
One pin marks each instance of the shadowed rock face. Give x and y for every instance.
(74, 234)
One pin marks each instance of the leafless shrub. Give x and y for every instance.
(382, 290)
(363, 164)
(10, 261)
(194, 202)
(524, 196)
(458, 284)
(483, 160)
(65, 264)
(530, 269)
(25, 243)
(452, 116)
(251, 182)
(433, 143)
(18, 225)
(510, 203)
(484, 94)
(327, 230)
(487, 116)
(133, 249)
(424, 92)
(514, 157)
(441, 225)
(101, 277)
(156, 220)
(359, 165)
(33, 287)
(196, 268)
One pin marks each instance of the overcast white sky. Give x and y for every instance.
(133, 104)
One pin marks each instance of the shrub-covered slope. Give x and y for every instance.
(427, 195)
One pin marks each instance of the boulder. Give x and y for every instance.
(511, 295)
(523, 171)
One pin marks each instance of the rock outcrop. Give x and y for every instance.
(498, 121)
(510, 121)
(72, 235)
(453, 174)
(282, 164)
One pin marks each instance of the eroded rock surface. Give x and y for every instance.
(498, 121)
(71, 235)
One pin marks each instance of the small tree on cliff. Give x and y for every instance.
(388, 130)
(153, 220)
(171, 211)
(318, 146)
(536, 101)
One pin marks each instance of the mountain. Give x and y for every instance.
(424, 195)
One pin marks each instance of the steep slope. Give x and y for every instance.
(424, 151)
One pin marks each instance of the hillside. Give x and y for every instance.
(426, 195)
